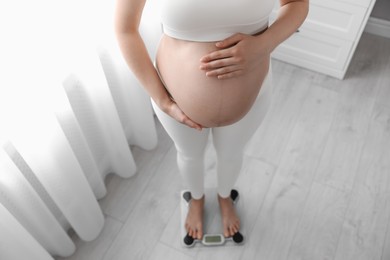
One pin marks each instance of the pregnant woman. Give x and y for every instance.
(211, 76)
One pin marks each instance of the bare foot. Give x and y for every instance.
(230, 220)
(194, 220)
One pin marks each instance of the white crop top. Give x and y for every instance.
(213, 20)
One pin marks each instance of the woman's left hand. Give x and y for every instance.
(235, 56)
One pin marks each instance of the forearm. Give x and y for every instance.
(139, 62)
(290, 17)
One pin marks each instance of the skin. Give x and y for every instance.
(220, 63)
(205, 98)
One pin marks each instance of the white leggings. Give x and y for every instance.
(229, 142)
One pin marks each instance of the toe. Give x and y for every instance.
(199, 235)
(235, 230)
(232, 231)
(200, 231)
(226, 232)
(236, 227)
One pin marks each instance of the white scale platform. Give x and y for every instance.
(212, 227)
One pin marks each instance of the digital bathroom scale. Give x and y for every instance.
(209, 239)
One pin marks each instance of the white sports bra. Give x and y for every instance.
(213, 20)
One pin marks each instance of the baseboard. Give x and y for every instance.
(378, 27)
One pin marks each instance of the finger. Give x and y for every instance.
(184, 119)
(219, 63)
(222, 71)
(192, 124)
(215, 55)
(235, 38)
(230, 75)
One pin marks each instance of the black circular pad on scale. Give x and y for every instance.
(188, 240)
(233, 195)
(238, 238)
(187, 196)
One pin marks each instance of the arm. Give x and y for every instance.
(239, 52)
(291, 15)
(127, 19)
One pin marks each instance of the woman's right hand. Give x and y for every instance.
(173, 110)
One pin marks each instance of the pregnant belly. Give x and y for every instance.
(208, 101)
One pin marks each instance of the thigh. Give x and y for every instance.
(187, 140)
(233, 138)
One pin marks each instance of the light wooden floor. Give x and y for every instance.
(316, 181)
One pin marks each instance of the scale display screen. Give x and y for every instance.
(213, 239)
